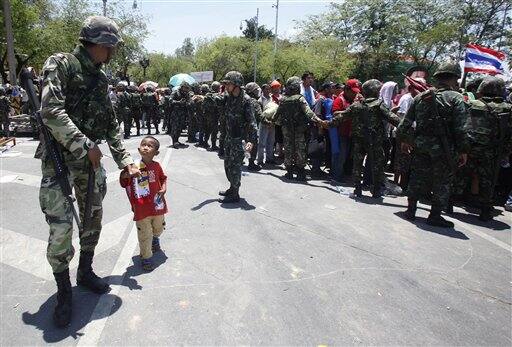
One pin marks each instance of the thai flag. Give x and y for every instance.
(484, 60)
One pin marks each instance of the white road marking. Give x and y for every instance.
(92, 331)
(22, 178)
(25, 253)
(483, 235)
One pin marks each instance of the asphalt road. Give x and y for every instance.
(292, 264)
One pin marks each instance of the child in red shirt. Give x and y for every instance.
(146, 195)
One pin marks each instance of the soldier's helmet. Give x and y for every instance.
(293, 85)
(121, 85)
(216, 86)
(235, 78)
(448, 68)
(204, 88)
(253, 89)
(150, 89)
(101, 31)
(371, 88)
(185, 84)
(492, 86)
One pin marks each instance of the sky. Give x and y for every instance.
(170, 21)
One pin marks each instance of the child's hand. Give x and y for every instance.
(162, 192)
(124, 174)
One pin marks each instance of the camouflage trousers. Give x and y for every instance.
(430, 175)
(294, 143)
(127, 123)
(481, 164)
(193, 125)
(176, 125)
(58, 212)
(362, 150)
(222, 129)
(212, 128)
(233, 160)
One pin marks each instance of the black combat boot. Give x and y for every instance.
(63, 309)
(157, 131)
(435, 219)
(253, 166)
(377, 191)
(226, 192)
(86, 277)
(358, 190)
(138, 132)
(231, 198)
(410, 213)
(289, 173)
(301, 175)
(485, 214)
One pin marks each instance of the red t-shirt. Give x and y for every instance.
(340, 104)
(142, 191)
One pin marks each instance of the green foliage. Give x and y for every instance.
(161, 68)
(250, 30)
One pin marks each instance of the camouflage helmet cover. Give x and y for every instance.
(101, 31)
(293, 84)
(371, 88)
(205, 88)
(252, 88)
(491, 86)
(448, 68)
(215, 86)
(235, 78)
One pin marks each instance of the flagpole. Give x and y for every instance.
(463, 81)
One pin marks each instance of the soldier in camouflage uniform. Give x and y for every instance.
(150, 107)
(167, 108)
(438, 140)
(201, 116)
(294, 115)
(240, 125)
(123, 108)
(77, 112)
(211, 114)
(180, 104)
(253, 90)
(368, 133)
(5, 109)
(136, 106)
(489, 129)
(222, 120)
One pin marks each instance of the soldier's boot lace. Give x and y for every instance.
(410, 213)
(63, 309)
(86, 277)
(289, 173)
(301, 175)
(435, 219)
(231, 198)
(358, 191)
(226, 192)
(485, 214)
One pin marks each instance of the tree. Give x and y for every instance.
(186, 50)
(250, 30)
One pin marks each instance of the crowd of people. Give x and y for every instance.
(344, 131)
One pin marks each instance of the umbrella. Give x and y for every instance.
(176, 80)
(144, 85)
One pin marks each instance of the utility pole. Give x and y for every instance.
(257, 36)
(9, 37)
(276, 6)
(104, 8)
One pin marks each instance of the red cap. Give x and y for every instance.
(354, 85)
(275, 84)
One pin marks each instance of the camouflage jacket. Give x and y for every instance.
(136, 102)
(240, 121)
(123, 104)
(370, 115)
(489, 124)
(257, 110)
(430, 129)
(294, 112)
(5, 106)
(76, 107)
(211, 103)
(149, 101)
(180, 102)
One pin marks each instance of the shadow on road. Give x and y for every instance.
(422, 224)
(204, 203)
(242, 204)
(473, 219)
(135, 269)
(84, 303)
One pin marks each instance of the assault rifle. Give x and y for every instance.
(54, 152)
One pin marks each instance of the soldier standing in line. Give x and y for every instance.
(489, 129)
(180, 104)
(5, 109)
(253, 90)
(150, 106)
(294, 115)
(240, 125)
(222, 119)
(77, 112)
(211, 109)
(136, 106)
(439, 141)
(368, 132)
(123, 108)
